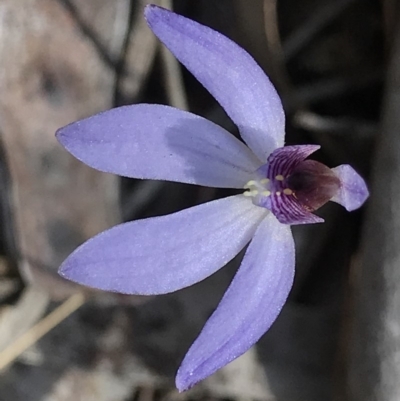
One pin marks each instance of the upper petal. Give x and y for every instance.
(163, 254)
(160, 142)
(229, 73)
(283, 160)
(353, 191)
(249, 306)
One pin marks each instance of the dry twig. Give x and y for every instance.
(35, 333)
(310, 28)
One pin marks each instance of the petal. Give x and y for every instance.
(283, 160)
(163, 254)
(353, 191)
(249, 306)
(288, 210)
(229, 73)
(160, 142)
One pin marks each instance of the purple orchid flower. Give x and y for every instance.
(164, 254)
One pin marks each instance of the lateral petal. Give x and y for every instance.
(161, 143)
(249, 307)
(163, 254)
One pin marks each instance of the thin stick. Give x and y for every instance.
(335, 125)
(310, 28)
(14, 350)
(272, 35)
(173, 74)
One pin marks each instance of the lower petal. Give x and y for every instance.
(288, 210)
(249, 306)
(163, 254)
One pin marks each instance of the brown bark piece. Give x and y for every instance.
(374, 346)
(52, 75)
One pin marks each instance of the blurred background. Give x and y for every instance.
(336, 64)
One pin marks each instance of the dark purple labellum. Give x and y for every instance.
(313, 184)
(293, 187)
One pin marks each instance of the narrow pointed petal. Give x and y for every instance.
(248, 308)
(160, 142)
(353, 191)
(163, 254)
(229, 73)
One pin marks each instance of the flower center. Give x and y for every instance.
(309, 185)
(313, 184)
(265, 187)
